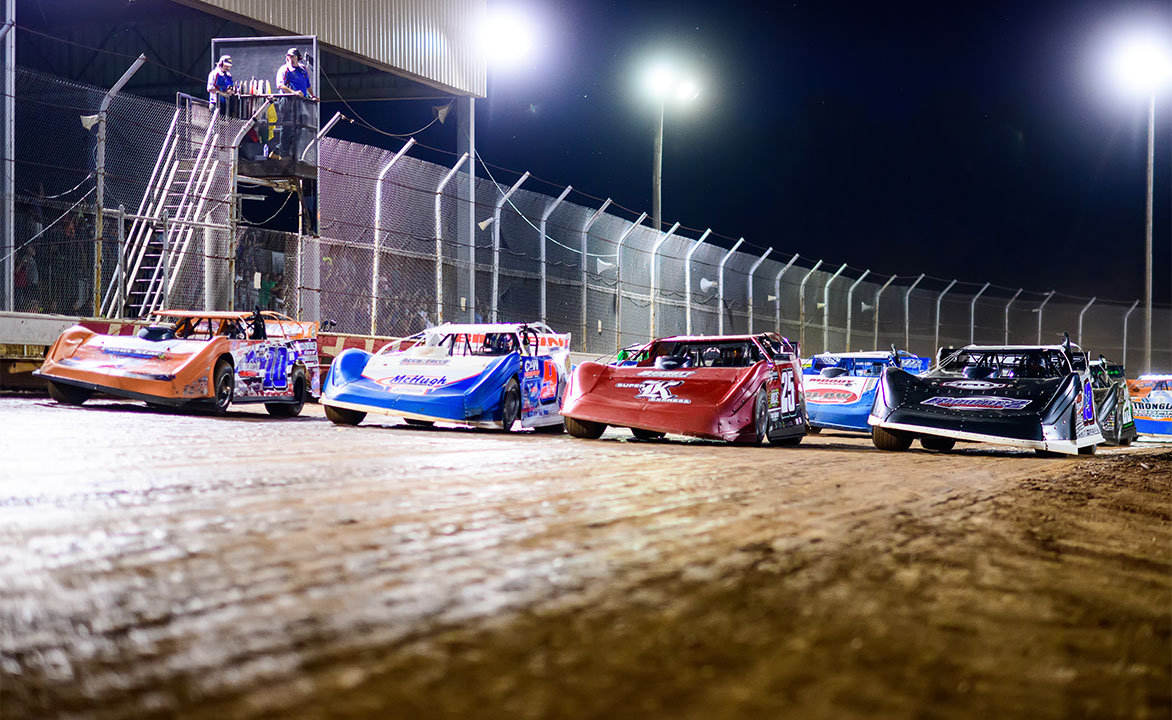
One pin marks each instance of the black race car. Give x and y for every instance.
(1112, 402)
(1030, 396)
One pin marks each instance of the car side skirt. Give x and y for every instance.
(360, 407)
(1069, 447)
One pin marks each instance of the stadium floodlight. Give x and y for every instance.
(664, 82)
(507, 36)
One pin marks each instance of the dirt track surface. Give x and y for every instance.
(155, 564)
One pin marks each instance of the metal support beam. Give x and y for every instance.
(802, 305)
(1127, 315)
(654, 254)
(777, 292)
(496, 243)
(907, 325)
(1040, 308)
(378, 232)
(7, 170)
(582, 261)
(233, 197)
(439, 240)
(541, 236)
(720, 287)
(749, 286)
(826, 308)
(973, 314)
(1019, 291)
(121, 260)
(466, 215)
(100, 169)
(618, 284)
(1080, 314)
(688, 281)
(879, 296)
(850, 305)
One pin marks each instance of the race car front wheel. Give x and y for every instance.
(68, 394)
(510, 404)
(892, 440)
(343, 416)
(225, 385)
(937, 443)
(585, 428)
(642, 434)
(761, 415)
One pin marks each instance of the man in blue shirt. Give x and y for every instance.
(220, 86)
(292, 79)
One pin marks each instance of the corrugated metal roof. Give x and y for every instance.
(433, 41)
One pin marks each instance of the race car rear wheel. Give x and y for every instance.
(891, 440)
(761, 415)
(937, 443)
(293, 409)
(510, 404)
(585, 428)
(812, 430)
(416, 422)
(1087, 450)
(554, 429)
(68, 394)
(225, 382)
(642, 434)
(343, 416)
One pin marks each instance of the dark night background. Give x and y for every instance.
(982, 141)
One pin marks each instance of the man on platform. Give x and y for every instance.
(292, 79)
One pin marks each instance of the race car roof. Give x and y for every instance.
(707, 338)
(1155, 378)
(863, 354)
(1013, 348)
(474, 328)
(219, 314)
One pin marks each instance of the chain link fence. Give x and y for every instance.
(390, 258)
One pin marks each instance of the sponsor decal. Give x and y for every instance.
(977, 402)
(196, 388)
(973, 384)
(424, 381)
(1088, 404)
(834, 381)
(424, 361)
(831, 396)
(141, 353)
(667, 373)
(660, 391)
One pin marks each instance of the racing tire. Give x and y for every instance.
(554, 429)
(293, 409)
(937, 443)
(761, 415)
(641, 434)
(510, 404)
(224, 387)
(1088, 449)
(68, 394)
(343, 416)
(1048, 453)
(790, 441)
(890, 440)
(416, 422)
(812, 430)
(1125, 442)
(585, 428)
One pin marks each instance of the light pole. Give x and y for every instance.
(664, 84)
(1143, 65)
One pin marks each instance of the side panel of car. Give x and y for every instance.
(541, 390)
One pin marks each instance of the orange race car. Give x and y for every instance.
(209, 359)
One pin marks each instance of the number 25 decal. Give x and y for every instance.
(789, 392)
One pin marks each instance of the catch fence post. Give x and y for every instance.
(1127, 315)
(496, 242)
(439, 243)
(850, 306)
(720, 287)
(1040, 308)
(655, 252)
(541, 235)
(749, 295)
(826, 308)
(1019, 291)
(907, 325)
(802, 305)
(121, 260)
(688, 281)
(878, 296)
(939, 300)
(582, 261)
(1080, 314)
(378, 232)
(618, 281)
(973, 314)
(777, 292)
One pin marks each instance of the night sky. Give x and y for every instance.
(981, 141)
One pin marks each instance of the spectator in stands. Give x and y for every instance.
(220, 86)
(292, 79)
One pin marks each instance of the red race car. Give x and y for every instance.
(738, 388)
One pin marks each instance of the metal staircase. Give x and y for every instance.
(177, 195)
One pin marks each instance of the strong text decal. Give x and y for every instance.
(660, 391)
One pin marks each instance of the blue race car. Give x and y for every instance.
(483, 375)
(840, 387)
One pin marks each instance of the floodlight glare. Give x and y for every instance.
(1143, 65)
(506, 36)
(687, 91)
(660, 80)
